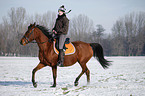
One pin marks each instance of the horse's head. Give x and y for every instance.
(35, 31)
(29, 35)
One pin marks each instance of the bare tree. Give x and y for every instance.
(129, 34)
(98, 33)
(80, 27)
(17, 21)
(46, 19)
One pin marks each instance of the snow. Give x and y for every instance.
(125, 77)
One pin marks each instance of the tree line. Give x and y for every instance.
(126, 39)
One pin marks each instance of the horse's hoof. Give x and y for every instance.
(76, 83)
(53, 86)
(35, 85)
(88, 83)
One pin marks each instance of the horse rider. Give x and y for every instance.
(61, 30)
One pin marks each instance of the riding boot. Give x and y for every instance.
(60, 58)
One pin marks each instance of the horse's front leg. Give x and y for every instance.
(54, 71)
(38, 67)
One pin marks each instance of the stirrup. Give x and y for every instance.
(59, 63)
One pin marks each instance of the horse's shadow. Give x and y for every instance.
(8, 83)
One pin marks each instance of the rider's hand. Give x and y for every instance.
(54, 31)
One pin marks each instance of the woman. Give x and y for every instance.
(61, 29)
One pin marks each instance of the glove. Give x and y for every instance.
(54, 31)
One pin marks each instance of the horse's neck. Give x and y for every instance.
(42, 41)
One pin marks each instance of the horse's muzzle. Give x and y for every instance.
(21, 42)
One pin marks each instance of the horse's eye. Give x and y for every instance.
(27, 31)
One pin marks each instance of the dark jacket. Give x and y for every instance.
(61, 24)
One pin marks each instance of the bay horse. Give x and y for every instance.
(47, 56)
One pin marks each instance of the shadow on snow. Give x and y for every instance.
(8, 83)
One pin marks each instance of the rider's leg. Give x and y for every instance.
(61, 41)
(61, 52)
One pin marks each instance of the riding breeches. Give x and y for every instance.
(61, 41)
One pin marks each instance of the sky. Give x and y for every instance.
(104, 12)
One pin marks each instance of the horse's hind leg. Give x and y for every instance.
(77, 79)
(84, 69)
(88, 75)
(38, 67)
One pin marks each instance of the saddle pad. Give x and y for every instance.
(71, 49)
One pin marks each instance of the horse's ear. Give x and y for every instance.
(34, 23)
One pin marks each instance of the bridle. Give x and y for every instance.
(27, 38)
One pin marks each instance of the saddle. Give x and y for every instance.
(68, 47)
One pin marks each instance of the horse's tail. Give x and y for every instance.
(99, 55)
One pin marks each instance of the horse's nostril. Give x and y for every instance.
(21, 42)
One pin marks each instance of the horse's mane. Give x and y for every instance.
(44, 30)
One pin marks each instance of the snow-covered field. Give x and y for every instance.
(126, 77)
